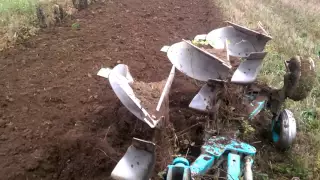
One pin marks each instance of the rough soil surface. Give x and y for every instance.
(58, 120)
(149, 95)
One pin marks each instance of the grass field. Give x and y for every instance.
(8, 7)
(295, 28)
(17, 20)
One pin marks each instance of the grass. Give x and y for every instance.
(295, 28)
(17, 6)
(17, 20)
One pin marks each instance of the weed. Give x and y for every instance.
(75, 26)
(247, 130)
(20, 19)
(309, 117)
(17, 20)
(261, 176)
(290, 170)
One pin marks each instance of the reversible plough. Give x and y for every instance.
(229, 55)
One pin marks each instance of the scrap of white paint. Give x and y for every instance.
(104, 72)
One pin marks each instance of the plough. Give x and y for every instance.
(232, 54)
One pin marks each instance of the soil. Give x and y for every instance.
(233, 61)
(149, 95)
(220, 53)
(58, 120)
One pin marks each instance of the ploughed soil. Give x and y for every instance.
(58, 120)
(149, 95)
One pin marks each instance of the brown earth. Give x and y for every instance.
(149, 95)
(58, 120)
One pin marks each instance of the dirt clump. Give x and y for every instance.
(149, 95)
(221, 54)
(232, 105)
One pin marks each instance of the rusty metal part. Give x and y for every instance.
(300, 78)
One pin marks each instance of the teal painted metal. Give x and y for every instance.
(181, 161)
(257, 110)
(261, 105)
(234, 169)
(275, 129)
(213, 150)
(179, 170)
(202, 164)
(218, 145)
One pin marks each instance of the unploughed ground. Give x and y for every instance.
(58, 120)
